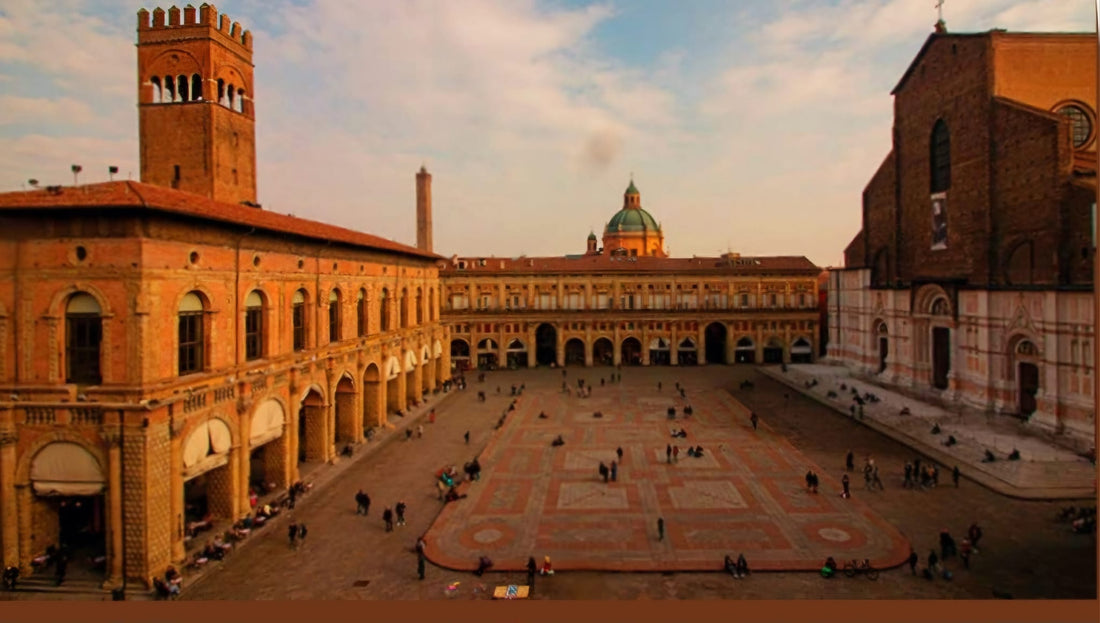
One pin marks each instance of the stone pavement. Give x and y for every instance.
(1044, 471)
(745, 494)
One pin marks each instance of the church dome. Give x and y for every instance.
(632, 219)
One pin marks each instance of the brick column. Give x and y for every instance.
(9, 526)
(701, 345)
(560, 346)
(674, 345)
(24, 505)
(244, 462)
(731, 344)
(616, 346)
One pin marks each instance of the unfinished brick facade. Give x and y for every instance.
(989, 301)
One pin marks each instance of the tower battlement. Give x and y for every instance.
(191, 22)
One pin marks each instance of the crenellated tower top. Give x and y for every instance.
(192, 22)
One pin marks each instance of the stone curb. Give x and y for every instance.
(975, 473)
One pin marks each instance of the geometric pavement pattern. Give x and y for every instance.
(746, 494)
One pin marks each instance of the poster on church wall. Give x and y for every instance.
(939, 221)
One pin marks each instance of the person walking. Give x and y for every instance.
(955, 476)
(755, 419)
(850, 461)
(876, 480)
(387, 516)
(964, 552)
(668, 453)
(408, 434)
(846, 483)
(532, 571)
(908, 483)
(619, 452)
(60, 567)
(467, 437)
(362, 503)
(660, 528)
(913, 559)
(302, 533)
(400, 508)
(658, 386)
(431, 417)
(420, 564)
(419, 431)
(676, 453)
(974, 533)
(292, 534)
(614, 471)
(933, 562)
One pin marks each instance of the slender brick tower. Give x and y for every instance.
(424, 210)
(195, 109)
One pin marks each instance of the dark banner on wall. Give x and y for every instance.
(939, 221)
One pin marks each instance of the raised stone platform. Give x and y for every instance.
(745, 495)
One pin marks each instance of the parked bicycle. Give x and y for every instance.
(853, 568)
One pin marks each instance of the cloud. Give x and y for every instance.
(761, 142)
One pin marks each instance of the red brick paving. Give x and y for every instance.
(746, 494)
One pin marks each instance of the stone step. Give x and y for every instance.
(46, 584)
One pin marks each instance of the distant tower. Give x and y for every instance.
(196, 119)
(592, 243)
(424, 210)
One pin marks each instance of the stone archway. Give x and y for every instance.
(344, 412)
(373, 398)
(394, 400)
(1027, 372)
(745, 351)
(603, 352)
(802, 351)
(660, 352)
(631, 352)
(715, 337)
(460, 354)
(574, 352)
(267, 443)
(686, 352)
(517, 354)
(412, 378)
(546, 345)
(773, 351)
(487, 354)
(882, 335)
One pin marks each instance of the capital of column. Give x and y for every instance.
(176, 425)
(8, 437)
(113, 437)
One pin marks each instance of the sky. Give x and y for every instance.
(749, 126)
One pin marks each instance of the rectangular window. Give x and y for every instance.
(774, 300)
(253, 333)
(84, 333)
(190, 336)
(299, 323)
(744, 300)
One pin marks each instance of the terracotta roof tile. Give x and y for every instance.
(130, 194)
(605, 263)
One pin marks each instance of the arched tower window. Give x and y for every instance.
(940, 157)
(169, 89)
(221, 92)
(334, 316)
(182, 83)
(298, 319)
(196, 88)
(404, 308)
(253, 326)
(239, 101)
(83, 339)
(230, 93)
(191, 334)
(157, 90)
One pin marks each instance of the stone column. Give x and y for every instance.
(9, 526)
(701, 345)
(532, 348)
(560, 346)
(787, 342)
(674, 345)
(731, 344)
(616, 346)
(588, 345)
(645, 343)
(759, 343)
(114, 509)
(244, 467)
(24, 505)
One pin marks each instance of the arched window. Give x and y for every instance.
(334, 316)
(83, 337)
(254, 326)
(230, 94)
(419, 307)
(384, 310)
(239, 101)
(431, 305)
(1082, 124)
(404, 308)
(191, 355)
(196, 87)
(169, 89)
(182, 83)
(221, 92)
(361, 313)
(940, 157)
(157, 92)
(298, 319)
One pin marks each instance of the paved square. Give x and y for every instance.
(745, 494)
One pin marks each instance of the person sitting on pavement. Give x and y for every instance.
(483, 564)
(989, 458)
(542, 415)
(558, 441)
(829, 568)
(742, 566)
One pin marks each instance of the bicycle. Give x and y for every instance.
(853, 568)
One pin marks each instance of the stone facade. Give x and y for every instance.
(971, 280)
(153, 338)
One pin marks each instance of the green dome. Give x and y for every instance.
(591, 235)
(632, 219)
(631, 190)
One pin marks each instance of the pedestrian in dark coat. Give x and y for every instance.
(850, 461)
(660, 528)
(420, 564)
(387, 516)
(754, 419)
(292, 534)
(614, 471)
(400, 513)
(59, 568)
(532, 571)
(846, 483)
(668, 453)
(604, 472)
(619, 451)
(302, 533)
(467, 437)
(955, 476)
(913, 558)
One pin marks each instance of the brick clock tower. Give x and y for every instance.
(195, 108)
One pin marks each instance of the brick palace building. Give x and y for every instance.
(629, 303)
(971, 280)
(168, 345)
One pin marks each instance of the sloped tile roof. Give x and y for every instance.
(136, 195)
